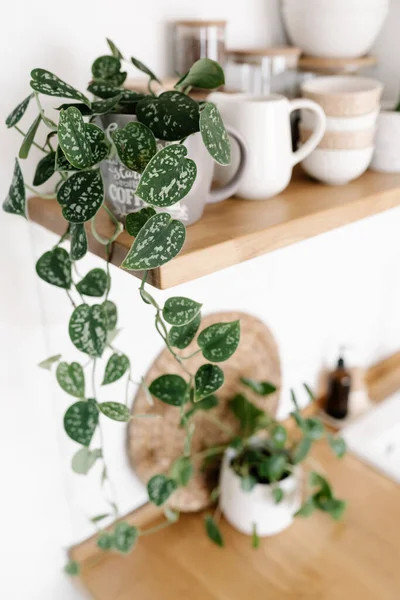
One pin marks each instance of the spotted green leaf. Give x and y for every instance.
(49, 84)
(135, 221)
(87, 329)
(214, 134)
(49, 362)
(218, 342)
(307, 508)
(79, 243)
(115, 411)
(180, 337)
(72, 568)
(111, 314)
(114, 50)
(182, 471)
(15, 202)
(139, 65)
(80, 421)
(208, 379)
(29, 138)
(93, 284)
(71, 378)
(124, 537)
(62, 164)
(168, 177)
(101, 107)
(213, 531)
(81, 196)
(16, 115)
(54, 267)
(105, 541)
(170, 389)
(84, 459)
(72, 138)
(179, 310)
(207, 403)
(116, 367)
(301, 450)
(45, 169)
(158, 242)
(160, 488)
(205, 74)
(105, 90)
(108, 68)
(262, 388)
(172, 116)
(135, 144)
(338, 445)
(97, 141)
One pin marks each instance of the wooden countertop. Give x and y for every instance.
(237, 230)
(316, 558)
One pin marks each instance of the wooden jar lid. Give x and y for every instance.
(272, 51)
(201, 23)
(336, 65)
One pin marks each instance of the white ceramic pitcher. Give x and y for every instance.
(264, 123)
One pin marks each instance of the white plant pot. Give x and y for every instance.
(386, 156)
(243, 510)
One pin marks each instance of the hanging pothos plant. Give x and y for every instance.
(73, 151)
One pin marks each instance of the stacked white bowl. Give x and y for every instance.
(334, 28)
(351, 105)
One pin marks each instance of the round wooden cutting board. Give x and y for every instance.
(155, 443)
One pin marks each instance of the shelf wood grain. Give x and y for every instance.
(238, 230)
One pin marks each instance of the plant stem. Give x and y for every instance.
(71, 298)
(44, 196)
(155, 528)
(106, 241)
(223, 427)
(50, 124)
(33, 143)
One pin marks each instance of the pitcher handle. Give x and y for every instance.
(230, 188)
(318, 132)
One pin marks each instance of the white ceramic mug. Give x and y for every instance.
(264, 123)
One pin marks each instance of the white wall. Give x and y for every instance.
(341, 287)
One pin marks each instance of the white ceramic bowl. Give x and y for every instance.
(341, 124)
(337, 167)
(333, 34)
(387, 146)
(335, 5)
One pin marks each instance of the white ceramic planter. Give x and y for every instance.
(244, 509)
(386, 156)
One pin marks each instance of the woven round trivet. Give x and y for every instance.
(154, 443)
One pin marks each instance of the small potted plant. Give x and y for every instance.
(263, 475)
(386, 156)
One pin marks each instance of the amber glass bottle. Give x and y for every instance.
(337, 401)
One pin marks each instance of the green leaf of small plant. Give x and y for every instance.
(139, 65)
(105, 541)
(171, 515)
(62, 163)
(114, 50)
(332, 506)
(181, 337)
(160, 488)
(180, 311)
(337, 444)
(116, 367)
(170, 389)
(314, 428)
(206, 404)
(182, 471)
(214, 134)
(208, 379)
(277, 494)
(80, 421)
(277, 466)
(81, 196)
(71, 378)
(111, 314)
(309, 392)
(79, 243)
(54, 267)
(307, 508)
(45, 169)
(135, 221)
(84, 459)
(315, 479)
(105, 91)
(247, 413)
(135, 144)
(205, 74)
(213, 531)
(218, 342)
(302, 449)
(108, 68)
(115, 411)
(16, 115)
(49, 362)
(171, 116)
(29, 138)
(73, 140)
(99, 518)
(46, 83)
(72, 568)
(279, 436)
(168, 177)
(15, 202)
(94, 283)
(88, 330)
(262, 388)
(124, 537)
(247, 483)
(158, 242)
(255, 540)
(97, 141)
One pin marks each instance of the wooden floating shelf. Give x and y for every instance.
(238, 230)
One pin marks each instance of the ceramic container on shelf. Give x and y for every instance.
(264, 123)
(334, 29)
(342, 140)
(337, 167)
(244, 510)
(386, 156)
(120, 183)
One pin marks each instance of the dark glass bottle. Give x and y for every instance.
(337, 401)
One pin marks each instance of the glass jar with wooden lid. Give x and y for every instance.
(198, 39)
